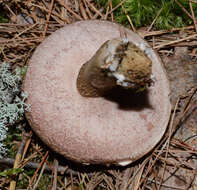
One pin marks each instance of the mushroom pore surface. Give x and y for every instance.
(114, 129)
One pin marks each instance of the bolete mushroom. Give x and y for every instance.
(79, 80)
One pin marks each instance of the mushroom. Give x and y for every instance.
(83, 88)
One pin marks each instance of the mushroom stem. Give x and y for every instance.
(117, 62)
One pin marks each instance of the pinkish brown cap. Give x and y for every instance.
(117, 129)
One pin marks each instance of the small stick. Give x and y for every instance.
(61, 183)
(35, 173)
(82, 10)
(139, 175)
(4, 55)
(188, 44)
(194, 90)
(159, 12)
(138, 170)
(27, 29)
(57, 20)
(39, 177)
(34, 165)
(111, 12)
(87, 9)
(129, 19)
(18, 160)
(168, 141)
(55, 167)
(184, 145)
(164, 185)
(97, 15)
(131, 23)
(183, 9)
(192, 179)
(148, 167)
(106, 14)
(31, 14)
(71, 176)
(156, 158)
(164, 141)
(193, 1)
(53, 12)
(28, 1)
(153, 39)
(70, 10)
(10, 10)
(160, 32)
(108, 182)
(175, 41)
(27, 145)
(125, 178)
(48, 17)
(193, 16)
(76, 5)
(14, 42)
(117, 6)
(93, 8)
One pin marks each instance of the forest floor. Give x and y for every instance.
(172, 164)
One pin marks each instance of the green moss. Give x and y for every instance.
(44, 183)
(11, 172)
(143, 12)
(3, 14)
(3, 19)
(14, 134)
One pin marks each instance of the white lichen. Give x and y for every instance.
(121, 80)
(142, 46)
(119, 77)
(148, 52)
(112, 72)
(113, 67)
(12, 101)
(125, 40)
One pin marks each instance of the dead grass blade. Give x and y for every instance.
(35, 173)
(193, 16)
(18, 160)
(175, 41)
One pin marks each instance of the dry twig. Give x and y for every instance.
(70, 10)
(35, 173)
(186, 12)
(159, 12)
(18, 159)
(94, 9)
(193, 16)
(48, 17)
(54, 187)
(176, 41)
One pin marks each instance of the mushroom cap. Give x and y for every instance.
(117, 129)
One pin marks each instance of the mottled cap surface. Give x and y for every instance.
(119, 128)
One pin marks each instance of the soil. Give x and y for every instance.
(182, 72)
